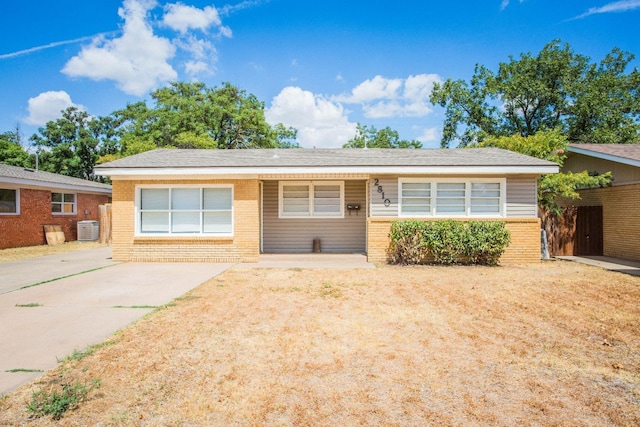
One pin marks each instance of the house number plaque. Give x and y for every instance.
(380, 190)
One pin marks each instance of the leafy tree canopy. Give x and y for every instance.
(556, 89)
(185, 115)
(69, 145)
(11, 150)
(370, 137)
(191, 115)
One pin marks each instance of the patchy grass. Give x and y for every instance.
(555, 343)
(17, 254)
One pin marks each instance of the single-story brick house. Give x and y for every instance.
(232, 205)
(30, 199)
(607, 219)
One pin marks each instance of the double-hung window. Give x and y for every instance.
(185, 210)
(311, 199)
(451, 198)
(9, 201)
(63, 203)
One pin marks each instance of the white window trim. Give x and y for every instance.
(467, 182)
(311, 214)
(138, 233)
(17, 212)
(75, 203)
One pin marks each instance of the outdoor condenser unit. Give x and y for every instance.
(88, 230)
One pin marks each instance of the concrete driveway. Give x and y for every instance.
(43, 319)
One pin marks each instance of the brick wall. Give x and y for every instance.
(244, 246)
(620, 218)
(26, 229)
(524, 247)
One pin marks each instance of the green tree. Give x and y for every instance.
(69, 145)
(370, 137)
(556, 89)
(549, 145)
(191, 115)
(11, 150)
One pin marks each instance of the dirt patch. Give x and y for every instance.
(555, 343)
(16, 254)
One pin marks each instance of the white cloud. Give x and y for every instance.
(505, 3)
(182, 18)
(48, 106)
(320, 122)
(372, 89)
(137, 61)
(194, 68)
(198, 48)
(617, 6)
(429, 135)
(381, 97)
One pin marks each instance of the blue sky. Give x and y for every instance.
(319, 66)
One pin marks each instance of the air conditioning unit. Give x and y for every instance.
(88, 231)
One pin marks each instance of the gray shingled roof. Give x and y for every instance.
(47, 179)
(623, 151)
(264, 158)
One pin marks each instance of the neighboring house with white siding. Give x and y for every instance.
(232, 205)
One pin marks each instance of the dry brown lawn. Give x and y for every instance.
(16, 254)
(553, 344)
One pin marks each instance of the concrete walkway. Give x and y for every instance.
(612, 264)
(46, 322)
(17, 274)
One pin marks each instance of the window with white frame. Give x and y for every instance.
(425, 197)
(185, 210)
(9, 201)
(311, 199)
(63, 203)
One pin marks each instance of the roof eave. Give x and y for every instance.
(603, 156)
(29, 183)
(398, 170)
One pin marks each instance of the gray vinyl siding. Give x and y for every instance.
(295, 235)
(389, 186)
(522, 197)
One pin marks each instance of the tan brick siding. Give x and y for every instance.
(26, 229)
(620, 218)
(524, 247)
(244, 246)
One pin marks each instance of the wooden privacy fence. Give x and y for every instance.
(577, 230)
(104, 215)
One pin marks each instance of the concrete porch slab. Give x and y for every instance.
(310, 260)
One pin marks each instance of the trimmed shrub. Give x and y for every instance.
(486, 241)
(447, 242)
(407, 243)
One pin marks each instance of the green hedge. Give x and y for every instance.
(447, 242)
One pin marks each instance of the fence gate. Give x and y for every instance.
(588, 237)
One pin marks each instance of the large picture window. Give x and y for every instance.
(185, 210)
(63, 203)
(451, 198)
(311, 199)
(9, 201)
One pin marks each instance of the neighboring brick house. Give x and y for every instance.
(30, 199)
(232, 205)
(607, 220)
